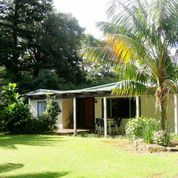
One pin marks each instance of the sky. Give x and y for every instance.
(87, 12)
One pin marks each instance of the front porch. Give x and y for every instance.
(83, 114)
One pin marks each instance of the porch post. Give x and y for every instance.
(105, 117)
(137, 107)
(74, 117)
(28, 100)
(176, 113)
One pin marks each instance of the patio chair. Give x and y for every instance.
(98, 125)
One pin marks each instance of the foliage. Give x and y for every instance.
(130, 87)
(49, 118)
(142, 127)
(14, 112)
(45, 79)
(16, 117)
(47, 121)
(19, 21)
(164, 137)
(34, 37)
(142, 34)
(9, 95)
(98, 71)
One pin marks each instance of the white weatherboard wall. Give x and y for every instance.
(33, 110)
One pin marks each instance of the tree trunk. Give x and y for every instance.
(15, 54)
(163, 114)
(161, 95)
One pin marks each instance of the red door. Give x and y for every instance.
(89, 113)
(85, 113)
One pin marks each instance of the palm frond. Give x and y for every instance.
(115, 49)
(129, 88)
(101, 54)
(132, 71)
(123, 47)
(129, 14)
(160, 10)
(108, 28)
(113, 29)
(169, 85)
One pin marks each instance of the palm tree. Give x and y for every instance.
(139, 38)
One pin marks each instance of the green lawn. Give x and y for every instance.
(79, 157)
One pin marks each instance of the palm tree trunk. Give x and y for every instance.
(163, 114)
(162, 100)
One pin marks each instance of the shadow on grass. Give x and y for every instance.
(10, 141)
(9, 167)
(40, 175)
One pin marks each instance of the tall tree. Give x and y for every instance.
(17, 20)
(55, 46)
(140, 36)
(34, 38)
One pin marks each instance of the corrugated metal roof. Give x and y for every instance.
(95, 89)
(100, 88)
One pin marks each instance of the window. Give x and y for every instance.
(120, 107)
(41, 107)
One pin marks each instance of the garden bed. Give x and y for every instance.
(140, 146)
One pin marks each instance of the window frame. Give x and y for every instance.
(110, 101)
(38, 107)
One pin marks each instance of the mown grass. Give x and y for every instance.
(45, 156)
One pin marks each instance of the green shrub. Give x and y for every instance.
(15, 117)
(164, 137)
(14, 113)
(49, 117)
(35, 126)
(142, 127)
(47, 121)
(9, 95)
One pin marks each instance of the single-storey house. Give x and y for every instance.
(80, 108)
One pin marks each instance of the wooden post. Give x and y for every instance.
(137, 107)
(105, 116)
(74, 117)
(176, 113)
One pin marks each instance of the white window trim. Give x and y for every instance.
(38, 110)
